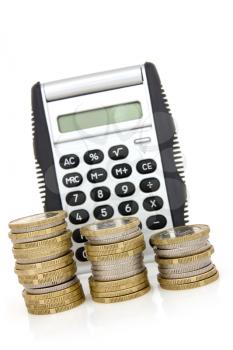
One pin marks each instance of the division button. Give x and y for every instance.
(75, 198)
(118, 152)
(125, 189)
(149, 185)
(72, 180)
(128, 208)
(152, 203)
(81, 254)
(99, 194)
(121, 170)
(97, 175)
(103, 212)
(69, 161)
(156, 222)
(94, 156)
(77, 237)
(78, 217)
(146, 166)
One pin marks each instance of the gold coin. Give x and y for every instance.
(25, 253)
(118, 284)
(42, 297)
(185, 280)
(179, 234)
(129, 253)
(39, 235)
(122, 297)
(49, 283)
(45, 242)
(46, 266)
(46, 256)
(47, 311)
(116, 225)
(186, 259)
(121, 292)
(54, 288)
(38, 221)
(114, 248)
(191, 285)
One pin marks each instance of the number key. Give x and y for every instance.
(78, 217)
(125, 189)
(103, 212)
(75, 198)
(99, 194)
(128, 208)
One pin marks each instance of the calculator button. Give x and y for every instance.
(69, 161)
(103, 212)
(79, 216)
(128, 208)
(156, 222)
(99, 194)
(75, 198)
(150, 185)
(146, 166)
(94, 156)
(152, 203)
(125, 189)
(77, 237)
(118, 152)
(72, 180)
(121, 170)
(97, 175)
(81, 254)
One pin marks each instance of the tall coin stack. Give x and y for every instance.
(115, 250)
(45, 264)
(184, 257)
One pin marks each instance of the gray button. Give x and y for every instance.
(142, 140)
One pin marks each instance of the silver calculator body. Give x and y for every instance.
(106, 146)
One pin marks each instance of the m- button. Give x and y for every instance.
(146, 166)
(72, 180)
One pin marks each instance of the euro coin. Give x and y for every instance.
(118, 276)
(182, 252)
(45, 243)
(179, 274)
(115, 238)
(131, 252)
(47, 311)
(118, 293)
(60, 287)
(180, 268)
(108, 300)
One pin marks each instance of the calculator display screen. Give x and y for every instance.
(99, 117)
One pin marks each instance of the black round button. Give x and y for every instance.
(103, 212)
(72, 180)
(99, 194)
(78, 217)
(97, 175)
(149, 185)
(94, 156)
(146, 166)
(128, 208)
(69, 161)
(75, 198)
(152, 203)
(118, 152)
(125, 189)
(156, 222)
(77, 237)
(120, 171)
(81, 254)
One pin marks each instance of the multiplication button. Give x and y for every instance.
(78, 217)
(72, 180)
(149, 185)
(103, 212)
(118, 152)
(120, 171)
(69, 161)
(128, 208)
(99, 194)
(94, 156)
(75, 198)
(97, 175)
(146, 166)
(156, 222)
(125, 189)
(152, 203)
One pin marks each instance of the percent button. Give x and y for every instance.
(94, 156)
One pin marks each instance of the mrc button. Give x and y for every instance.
(146, 166)
(72, 180)
(69, 161)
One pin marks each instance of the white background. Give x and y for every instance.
(191, 44)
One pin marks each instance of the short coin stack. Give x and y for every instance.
(45, 264)
(115, 250)
(184, 257)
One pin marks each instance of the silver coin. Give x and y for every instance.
(104, 277)
(115, 238)
(188, 274)
(200, 241)
(37, 238)
(48, 284)
(123, 261)
(182, 252)
(53, 288)
(39, 227)
(42, 259)
(118, 269)
(180, 268)
(117, 265)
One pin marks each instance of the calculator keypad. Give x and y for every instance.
(118, 152)
(69, 161)
(152, 203)
(72, 180)
(120, 171)
(103, 212)
(77, 237)
(128, 208)
(99, 194)
(94, 156)
(150, 184)
(156, 222)
(125, 189)
(78, 217)
(97, 175)
(146, 166)
(75, 198)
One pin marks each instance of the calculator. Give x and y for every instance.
(106, 146)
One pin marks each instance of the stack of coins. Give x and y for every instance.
(115, 250)
(184, 257)
(44, 263)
